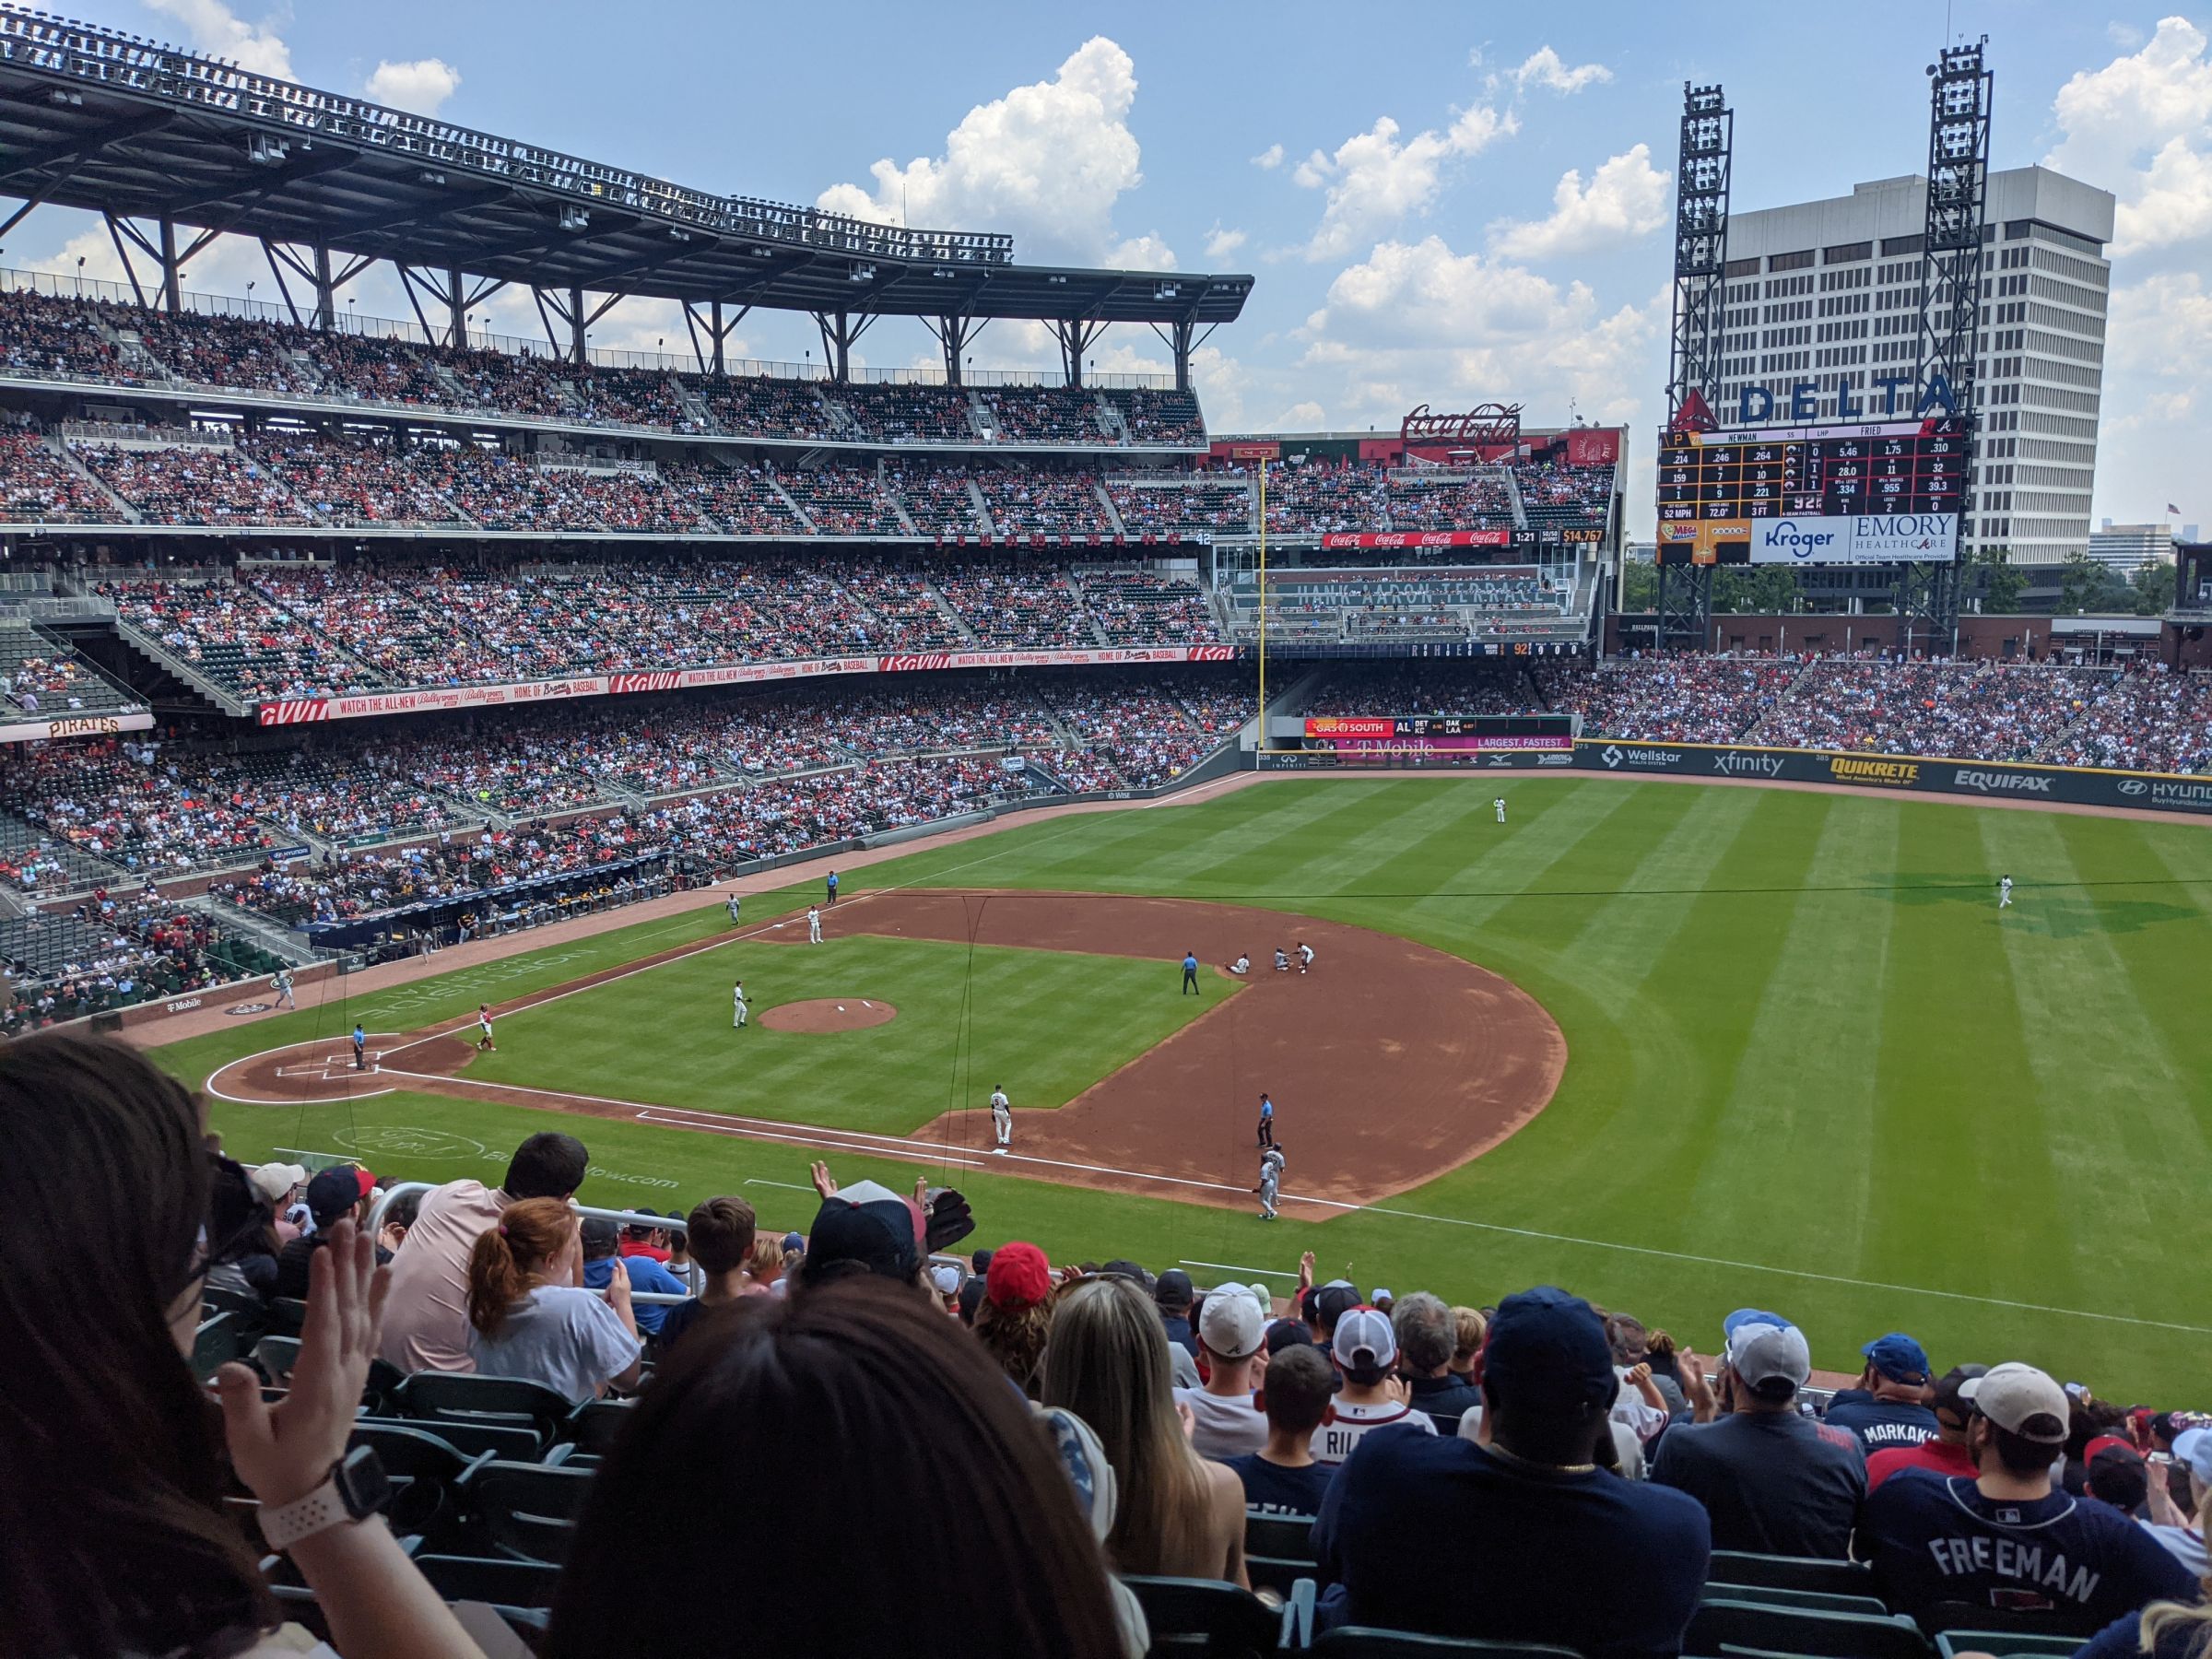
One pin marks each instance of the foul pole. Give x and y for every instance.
(1262, 743)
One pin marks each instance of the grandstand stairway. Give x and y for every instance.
(278, 941)
(784, 495)
(1112, 423)
(1799, 682)
(696, 410)
(952, 617)
(1114, 519)
(124, 512)
(1512, 494)
(159, 655)
(883, 485)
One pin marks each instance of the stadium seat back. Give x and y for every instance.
(1364, 1641)
(594, 1425)
(1962, 1616)
(1804, 1601)
(509, 1402)
(277, 1355)
(424, 1468)
(492, 1579)
(214, 1344)
(514, 1441)
(2006, 1644)
(287, 1316)
(1790, 1572)
(1205, 1616)
(1721, 1627)
(1290, 1536)
(251, 1310)
(528, 1511)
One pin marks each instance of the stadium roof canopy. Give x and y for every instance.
(94, 119)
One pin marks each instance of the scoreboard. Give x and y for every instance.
(1881, 493)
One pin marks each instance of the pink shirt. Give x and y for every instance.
(426, 1317)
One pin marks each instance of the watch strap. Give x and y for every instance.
(286, 1524)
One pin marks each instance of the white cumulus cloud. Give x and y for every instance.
(1373, 179)
(1046, 162)
(1544, 68)
(420, 87)
(1268, 159)
(2141, 127)
(214, 30)
(1221, 243)
(1626, 198)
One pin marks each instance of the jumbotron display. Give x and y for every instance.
(1437, 734)
(1883, 493)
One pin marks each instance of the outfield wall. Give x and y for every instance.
(1908, 774)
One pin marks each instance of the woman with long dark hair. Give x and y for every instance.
(923, 1508)
(114, 1539)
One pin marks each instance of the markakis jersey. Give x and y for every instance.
(1935, 1538)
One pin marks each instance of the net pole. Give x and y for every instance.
(1263, 744)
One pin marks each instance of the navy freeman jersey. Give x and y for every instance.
(1935, 1538)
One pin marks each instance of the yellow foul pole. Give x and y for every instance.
(1262, 606)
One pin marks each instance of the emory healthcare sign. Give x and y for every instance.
(1860, 538)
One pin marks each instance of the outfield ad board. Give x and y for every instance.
(1903, 774)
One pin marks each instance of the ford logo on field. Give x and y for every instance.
(1783, 536)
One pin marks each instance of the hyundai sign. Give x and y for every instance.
(1858, 538)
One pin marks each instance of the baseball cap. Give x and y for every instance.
(1547, 1348)
(1285, 1333)
(2114, 1471)
(1122, 1267)
(1898, 1358)
(1379, 1295)
(2193, 1447)
(272, 1181)
(1231, 1323)
(2021, 1400)
(332, 1192)
(1364, 1341)
(1763, 1354)
(1173, 1292)
(868, 1224)
(980, 1262)
(1020, 1277)
(945, 1278)
(1332, 1303)
(1950, 1399)
(793, 1241)
(1744, 1316)
(601, 1236)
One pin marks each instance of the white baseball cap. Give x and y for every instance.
(1760, 1353)
(2014, 1395)
(1229, 1322)
(1364, 1340)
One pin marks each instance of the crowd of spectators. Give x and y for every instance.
(1423, 686)
(1685, 698)
(126, 803)
(938, 498)
(40, 486)
(200, 484)
(109, 950)
(1140, 607)
(883, 412)
(1040, 503)
(1010, 602)
(1045, 414)
(1977, 710)
(1158, 417)
(1156, 507)
(1428, 1467)
(2148, 719)
(1553, 493)
(237, 639)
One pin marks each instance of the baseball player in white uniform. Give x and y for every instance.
(1271, 1176)
(1305, 956)
(484, 1041)
(814, 924)
(736, 903)
(282, 984)
(1499, 805)
(1002, 1119)
(2004, 892)
(1242, 966)
(1282, 960)
(737, 996)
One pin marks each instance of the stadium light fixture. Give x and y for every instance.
(862, 274)
(575, 218)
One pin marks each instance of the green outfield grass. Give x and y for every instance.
(1810, 1067)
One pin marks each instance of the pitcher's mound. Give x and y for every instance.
(826, 1014)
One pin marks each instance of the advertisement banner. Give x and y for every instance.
(1420, 538)
(1858, 538)
(75, 725)
(1444, 745)
(298, 711)
(1594, 446)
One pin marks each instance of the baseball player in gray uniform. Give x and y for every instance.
(736, 903)
(1002, 1119)
(1271, 1176)
(737, 995)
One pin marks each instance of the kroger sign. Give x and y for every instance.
(1858, 538)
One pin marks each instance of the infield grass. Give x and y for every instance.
(1811, 1066)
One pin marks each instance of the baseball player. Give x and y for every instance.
(281, 983)
(2004, 892)
(737, 995)
(1305, 956)
(833, 885)
(814, 924)
(1282, 960)
(1002, 1119)
(1270, 1176)
(1242, 966)
(1499, 805)
(736, 903)
(1267, 1122)
(484, 1042)
(1190, 975)
(361, 1049)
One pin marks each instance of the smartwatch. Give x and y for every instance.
(356, 1488)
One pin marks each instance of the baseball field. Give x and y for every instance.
(1680, 1048)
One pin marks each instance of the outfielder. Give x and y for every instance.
(814, 924)
(737, 995)
(1271, 1176)
(1267, 1122)
(1002, 1119)
(1499, 805)
(484, 1042)
(2004, 892)
(281, 983)
(736, 904)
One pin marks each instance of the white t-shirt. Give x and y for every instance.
(1225, 1425)
(1349, 1425)
(562, 1336)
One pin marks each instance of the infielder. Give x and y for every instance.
(282, 984)
(737, 995)
(1305, 956)
(814, 924)
(1282, 960)
(1267, 1122)
(1499, 805)
(1271, 1176)
(2004, 892)
(736, 904)
(1242, 966)
(1002, 1119)
(484, 1042)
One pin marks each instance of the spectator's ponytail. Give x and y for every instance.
(530, 1234)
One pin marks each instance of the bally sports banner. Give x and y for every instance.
(1420, 538)
(299, 710)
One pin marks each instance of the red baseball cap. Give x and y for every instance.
(1019, 1276)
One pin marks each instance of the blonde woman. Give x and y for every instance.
(528, 1319)
(1468, 1328)
(1106, 1361)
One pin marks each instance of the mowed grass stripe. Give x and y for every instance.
(1818, 1016)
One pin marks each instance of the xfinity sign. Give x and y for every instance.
(1858, 538)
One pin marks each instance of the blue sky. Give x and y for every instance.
(1442, 205)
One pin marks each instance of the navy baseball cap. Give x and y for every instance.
(1744, 1316)
(1898, 1358)
(1547, 1350)
(867, 1225)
